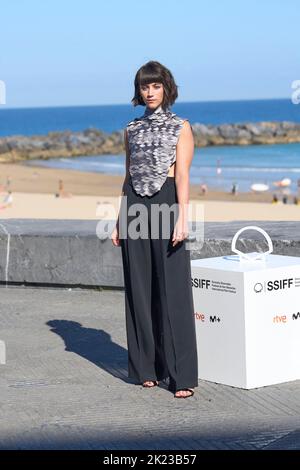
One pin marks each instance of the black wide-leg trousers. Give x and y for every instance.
(159, 309)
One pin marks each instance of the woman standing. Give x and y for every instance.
(159, 306)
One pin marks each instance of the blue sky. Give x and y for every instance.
(71, 52)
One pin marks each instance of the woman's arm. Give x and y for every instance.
(115, 233)
(127, 160)
(184, 157)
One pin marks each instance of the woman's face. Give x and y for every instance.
(152, 94)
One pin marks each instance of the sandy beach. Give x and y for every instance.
(97, 195)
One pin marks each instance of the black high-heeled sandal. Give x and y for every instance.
(184, 390)
(153, 382)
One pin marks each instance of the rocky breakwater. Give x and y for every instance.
(248, 133)
(96, 142)
(60, 144)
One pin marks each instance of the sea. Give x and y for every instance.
(219, 167)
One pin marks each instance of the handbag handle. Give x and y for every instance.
(259, 256)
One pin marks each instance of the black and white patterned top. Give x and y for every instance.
(152, 140)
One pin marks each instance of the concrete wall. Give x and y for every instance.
(69, 252)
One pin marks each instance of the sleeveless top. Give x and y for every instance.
(152, 140)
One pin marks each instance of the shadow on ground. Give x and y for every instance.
(94, 345)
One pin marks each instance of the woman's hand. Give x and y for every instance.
(115, 236)
(181, 230)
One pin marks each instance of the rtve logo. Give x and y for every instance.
(212, 318)
(278, 284)
(284, 318)
(200, 316)
(201, 283)
(280, 319)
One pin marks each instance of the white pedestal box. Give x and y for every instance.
(247, 314)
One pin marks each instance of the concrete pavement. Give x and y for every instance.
(65, 386)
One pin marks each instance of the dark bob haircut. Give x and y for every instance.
(154, 72)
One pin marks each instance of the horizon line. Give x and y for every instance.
(129, 104)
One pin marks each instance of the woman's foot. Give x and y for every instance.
(184, 393)
(150, 383)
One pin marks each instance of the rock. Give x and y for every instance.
(94, 141)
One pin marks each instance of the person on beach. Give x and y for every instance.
(284, 199)
(8, 183)
(234, 189)
(7, 201)
(159, 309)
(61, 191)
(7, 186)
(203, 188)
